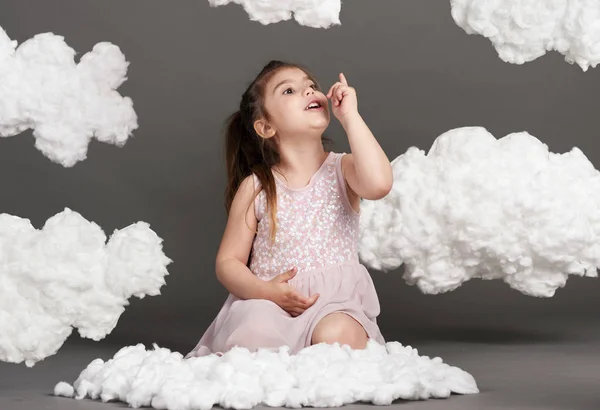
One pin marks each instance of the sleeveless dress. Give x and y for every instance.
(318, 233)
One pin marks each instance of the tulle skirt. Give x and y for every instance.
(258, 323)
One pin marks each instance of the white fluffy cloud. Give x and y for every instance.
(523, 30)
(311, 13)
(66, 104)
(475, 206)
(65, 275)
(320, 376)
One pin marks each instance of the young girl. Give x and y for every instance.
(288, 256)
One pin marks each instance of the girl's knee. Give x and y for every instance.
(340, 328)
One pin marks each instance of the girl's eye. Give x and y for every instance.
(291, 90)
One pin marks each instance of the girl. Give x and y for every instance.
(288, 256)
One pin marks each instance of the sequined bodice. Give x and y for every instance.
(317, 226)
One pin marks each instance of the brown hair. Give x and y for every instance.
(246, 152)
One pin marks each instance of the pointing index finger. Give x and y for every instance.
(343, 79)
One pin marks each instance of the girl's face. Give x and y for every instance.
(295, 105)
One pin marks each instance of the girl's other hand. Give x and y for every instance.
(288, 298)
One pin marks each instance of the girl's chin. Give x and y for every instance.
(318, 129)
(320, 123)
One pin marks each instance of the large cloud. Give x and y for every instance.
(475, 206)
(311, 13)
(319, 376)
(65, 103)
(523, 30)
(66, 275)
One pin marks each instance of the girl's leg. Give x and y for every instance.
(253, 324)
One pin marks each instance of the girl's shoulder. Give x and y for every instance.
(342, 160)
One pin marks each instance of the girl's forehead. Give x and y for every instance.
(287, 74)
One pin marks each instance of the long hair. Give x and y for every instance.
(246, 152)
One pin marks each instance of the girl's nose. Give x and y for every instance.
(310, 91)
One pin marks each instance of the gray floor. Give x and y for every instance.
(555, 365)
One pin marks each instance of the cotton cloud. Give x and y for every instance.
(478, 207)
(311, 13)
(65, 275)
(320, 376)
(64, 103)
(522, 31)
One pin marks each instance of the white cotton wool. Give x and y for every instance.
(65, 104)
(524, 30)
(321, 375)
(66, 276)
(478, 207)
(310, 13)
(64, 389)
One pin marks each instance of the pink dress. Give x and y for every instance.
(318, 233)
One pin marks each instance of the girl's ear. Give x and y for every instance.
(264, 129)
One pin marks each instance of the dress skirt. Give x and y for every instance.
(259, 323)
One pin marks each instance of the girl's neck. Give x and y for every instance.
(298, 164)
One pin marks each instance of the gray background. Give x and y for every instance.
(417, 75)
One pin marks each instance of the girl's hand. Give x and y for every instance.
(343, 99)
(286, 297)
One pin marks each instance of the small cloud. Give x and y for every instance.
(65, 275)
(521, 31)
(310, 13)
(478, 207)
(65, 104)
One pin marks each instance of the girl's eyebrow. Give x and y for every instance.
(287, 81)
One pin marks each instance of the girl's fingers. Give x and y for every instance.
(343, 79)
(330, 92)
(295, 312)
(300, 300)
(339, 93)
(333, 93)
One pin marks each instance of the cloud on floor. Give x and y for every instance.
(321, 375)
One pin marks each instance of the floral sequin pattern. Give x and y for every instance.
(316, 226)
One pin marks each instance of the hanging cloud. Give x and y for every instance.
(65, 275)
(478, 207)
(310, 13)
(522, 31)
(321, 375)
(64, 103)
